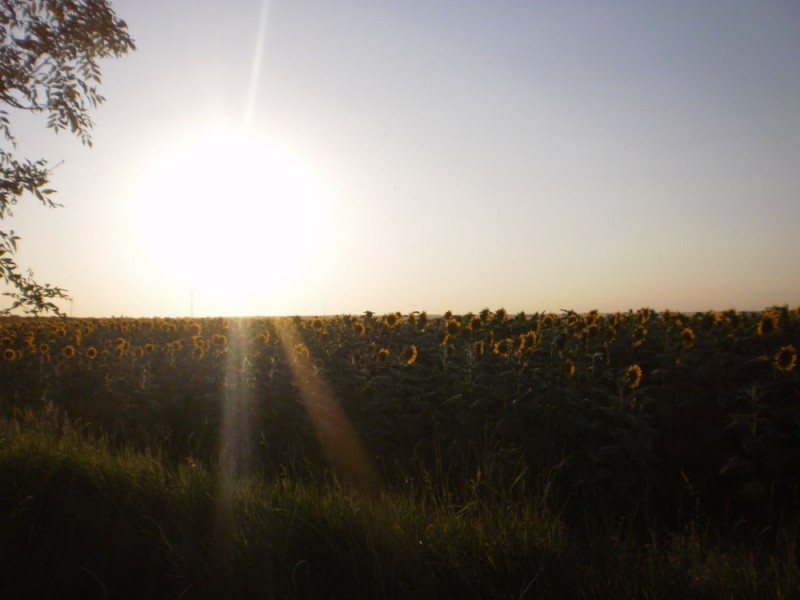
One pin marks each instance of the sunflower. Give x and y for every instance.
(391, 320)
(409, 354)
(639, 335)
(786, 359)
(452, 326)
(383, 354)
(68, 351)
(768, 324)
(91, 352)
(633, 376)
(687, 338)
(503, 347)
(479, 348)
(301, 351)
(9, 354)
(358, 328)
(531, 339)
(569, 368)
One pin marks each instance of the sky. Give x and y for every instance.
(309, 157)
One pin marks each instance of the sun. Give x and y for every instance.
(230, 216)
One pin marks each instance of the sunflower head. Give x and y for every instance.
(383, 355)
(301, 351)
(409, 354)
(452, 326)
(569, 368)
(531, 339)
(68, 351)
(391, 320)
(786, 359)
(9, 354)
(768, 324)
(687, 338)
(503, 347)
(639, 335)
(633, 376)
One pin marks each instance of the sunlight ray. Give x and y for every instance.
(255, 66)
(335, 432)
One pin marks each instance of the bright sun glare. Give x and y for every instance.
(232, 217)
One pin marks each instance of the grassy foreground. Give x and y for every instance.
(82, 518)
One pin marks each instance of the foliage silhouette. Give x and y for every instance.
(49, 52)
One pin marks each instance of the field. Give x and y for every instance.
(641, 454)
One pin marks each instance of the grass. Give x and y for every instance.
(82, 518)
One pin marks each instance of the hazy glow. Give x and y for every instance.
(334, 430)
(281, 157)
(226, 214)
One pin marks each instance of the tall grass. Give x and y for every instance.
(83, 518)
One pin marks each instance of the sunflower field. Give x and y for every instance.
(679, 415)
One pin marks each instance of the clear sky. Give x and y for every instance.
(310, 157)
